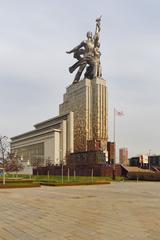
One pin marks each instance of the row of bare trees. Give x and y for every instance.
(8, 162)
(11, 163)
(4, 149)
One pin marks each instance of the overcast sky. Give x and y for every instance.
(34, 35)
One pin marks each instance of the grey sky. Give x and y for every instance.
(34, 35)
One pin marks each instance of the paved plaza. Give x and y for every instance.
(112, 212)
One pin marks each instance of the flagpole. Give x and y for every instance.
(114, 140)
(114, 126)
(116, 113)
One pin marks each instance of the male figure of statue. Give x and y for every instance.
(84, 53)
(87, 53)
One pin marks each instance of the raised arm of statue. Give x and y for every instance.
(98, 25)
(75, 49)
(97, 30)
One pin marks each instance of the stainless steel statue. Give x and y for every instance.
(88, 55)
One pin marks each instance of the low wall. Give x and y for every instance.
(155, 176)
(98, 170)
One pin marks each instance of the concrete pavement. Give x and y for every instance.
(128, 210)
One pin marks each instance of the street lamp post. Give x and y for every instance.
(114, 140)
(68, 174)
(61, 162)
(62, 171)
(4, 177)
(149, 163)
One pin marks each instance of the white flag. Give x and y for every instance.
(119, 113)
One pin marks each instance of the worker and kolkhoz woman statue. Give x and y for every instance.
(88, 55)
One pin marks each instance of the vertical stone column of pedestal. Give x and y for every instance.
(99, 106)
(89, 110)
(63, 138)
(70, 133)
(75, 100)
(56, 148)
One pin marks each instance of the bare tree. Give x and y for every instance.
(37, 162)
(4, 149)
(48, 163)
(13, 165)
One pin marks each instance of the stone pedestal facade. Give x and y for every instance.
(88, 99)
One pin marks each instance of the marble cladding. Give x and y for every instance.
(88, 99)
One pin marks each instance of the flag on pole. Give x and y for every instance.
(119, 113)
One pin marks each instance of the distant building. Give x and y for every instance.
(154, 160)
(134, 161)
(123, 156)
(145, 161)
(139, 161)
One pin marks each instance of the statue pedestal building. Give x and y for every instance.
(87, 99)
(80, 131)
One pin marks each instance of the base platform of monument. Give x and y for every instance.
(104, 170)
(87, 158)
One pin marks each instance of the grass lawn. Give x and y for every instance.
(29, 181)
(66, 180)
(17, 182)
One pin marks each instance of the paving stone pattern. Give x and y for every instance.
(113, 212)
